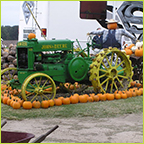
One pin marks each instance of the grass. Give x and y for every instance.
(90, 109)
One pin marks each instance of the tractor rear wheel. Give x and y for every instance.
(38, 86)
(111, 70)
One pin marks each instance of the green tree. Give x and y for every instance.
(9, 33)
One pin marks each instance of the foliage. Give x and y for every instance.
(9, 33)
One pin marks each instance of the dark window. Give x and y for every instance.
(93, 10)
(22, 58)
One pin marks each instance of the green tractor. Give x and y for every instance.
(45, 64)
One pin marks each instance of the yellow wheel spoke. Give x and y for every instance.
(30, 89)
(104, 81)
(49, 86)
(29, 94)
(9, 75)
(116, 61)
(48, 92)
(121, 70)
(102, 75)
(45, 96)
(104, 65)
(13, 74)
(45, 83)
(120, 64)
(111, 86)
(32, 85)
(119, 81)
(102, 70)
(41, 97)
(6, 78)
(34, 97)
(123, 76)
(40, 80)
(36, 82)
(115, 86)
(3, 82)
(108, 61)
(112, 58)
(106, 86)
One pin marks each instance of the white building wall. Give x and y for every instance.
(61, 18)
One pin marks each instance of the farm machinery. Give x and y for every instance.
(42, 65)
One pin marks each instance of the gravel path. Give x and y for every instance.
(124, 129)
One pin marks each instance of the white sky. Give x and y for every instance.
(10, 12)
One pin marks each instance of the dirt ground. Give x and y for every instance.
(124, 129)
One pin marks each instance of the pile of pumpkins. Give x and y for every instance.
(135, 49)
(7, 97)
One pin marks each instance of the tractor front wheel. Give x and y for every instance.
(38, 86)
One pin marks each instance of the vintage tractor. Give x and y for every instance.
(42, 65)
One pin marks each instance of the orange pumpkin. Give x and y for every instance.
(128, 51)
(36, 104)
(102, 97)
(66, 85)
(96, 98)
(77, 95)
(138, 84)
(5, 95)
(51, 102)
(123, 95)
(66, 101)
(74, 99)
(141, 89)
(5, 98)
(45, 104)
(83, 98)
(134, 93)
(61, 98)
(92, 96)
(10, 88)
(90, 99)
(87, 96)
(129, 93)
(133, 83)
(27, 105)
(112, 26)
(110, 96)
(76, 83)
(11, 103)
(58, 102)
(9, 100)
(71, 87)
(15, 92)
(138, 92)
(139, 52)
(16, 105)
(3, 87)
(31, 36)
(117, 96)
(99, 95)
